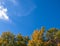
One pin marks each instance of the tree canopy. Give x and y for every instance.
(40, 37)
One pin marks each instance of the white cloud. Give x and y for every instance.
(3, 13)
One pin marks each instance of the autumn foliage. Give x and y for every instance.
(40, 37)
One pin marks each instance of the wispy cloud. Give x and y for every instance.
(25, 7)
(8, 1)
(14, 2)
(3, 13)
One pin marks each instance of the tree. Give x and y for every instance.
(21, 40)
(9, 39)
(57, 37)
(37, 38)
(51, 33)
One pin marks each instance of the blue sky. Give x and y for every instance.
(24, 16)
